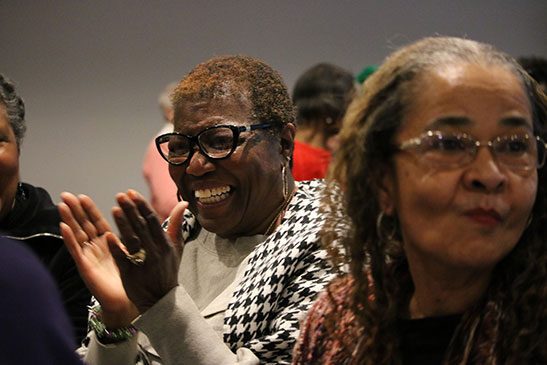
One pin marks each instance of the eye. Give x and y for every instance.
(514, 144)
(446, 143)
(177, 146)
(217, 139)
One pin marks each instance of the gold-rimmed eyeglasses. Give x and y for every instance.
(446, 150)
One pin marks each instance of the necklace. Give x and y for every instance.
(275, 222)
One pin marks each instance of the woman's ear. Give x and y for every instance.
(287, 140)
(386, 196)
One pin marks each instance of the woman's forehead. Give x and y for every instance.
(468, 91)
(206, 113)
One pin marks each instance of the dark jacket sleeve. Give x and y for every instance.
(74, 293)
(35, 328)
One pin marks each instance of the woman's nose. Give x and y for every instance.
(199, 164)
(484, 173)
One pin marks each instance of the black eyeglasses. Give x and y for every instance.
(217, 142)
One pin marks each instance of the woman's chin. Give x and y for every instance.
(216, 216)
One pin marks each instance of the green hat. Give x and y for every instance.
(365, 73)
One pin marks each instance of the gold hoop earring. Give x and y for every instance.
(386, 231)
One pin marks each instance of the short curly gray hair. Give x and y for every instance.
(15, 108)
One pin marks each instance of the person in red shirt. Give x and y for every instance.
(321, 95)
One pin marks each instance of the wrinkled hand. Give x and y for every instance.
(86, 233)
(140, 228)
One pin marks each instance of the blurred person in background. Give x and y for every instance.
(321, 95)
(162, 189)
(27, 213)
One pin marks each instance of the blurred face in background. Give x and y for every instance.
(9, 164)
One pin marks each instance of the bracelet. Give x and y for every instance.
(104, 335)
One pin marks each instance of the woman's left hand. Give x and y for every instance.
(148, 281)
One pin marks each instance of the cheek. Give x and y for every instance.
(523, 198)
(425, 194)
(9, 178)
(176, 173)
(9, 163)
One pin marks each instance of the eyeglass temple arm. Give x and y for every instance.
(256, 126)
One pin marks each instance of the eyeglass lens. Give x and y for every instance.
(217, 142)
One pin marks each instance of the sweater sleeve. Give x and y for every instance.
(76, 297)
(123, 353)
(180, 335)
(328, 341)
(311, 335)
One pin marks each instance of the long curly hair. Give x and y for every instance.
(508, 325)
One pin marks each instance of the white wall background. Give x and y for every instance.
(90, 71)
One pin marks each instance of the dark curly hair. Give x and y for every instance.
(510, 320)
(15, 108)
(240, 77)
(536, 67)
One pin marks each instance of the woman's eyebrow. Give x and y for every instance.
(516, 122)
(451, 121)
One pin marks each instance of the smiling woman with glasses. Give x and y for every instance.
(239, 262)
(442, 164)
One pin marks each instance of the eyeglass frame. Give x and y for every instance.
(416, 142)
(194, 140)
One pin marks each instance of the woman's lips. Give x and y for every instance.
(486, 217)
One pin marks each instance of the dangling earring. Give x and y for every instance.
(179, 196)
(285, 183)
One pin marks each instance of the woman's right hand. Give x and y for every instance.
(85, 232)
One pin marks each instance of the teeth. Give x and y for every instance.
(212, 195)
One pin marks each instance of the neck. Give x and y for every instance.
(278, 216)
(311, 136)
(440, 291)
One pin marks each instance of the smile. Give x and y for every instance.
(214, 195)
